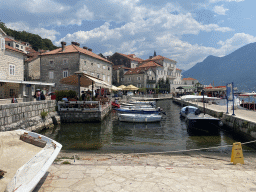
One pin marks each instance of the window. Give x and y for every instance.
(122, 79)
(12, 92)
(2, 43)
(129, 79)
(152, 78)
(12, 70)
(98, 75)
(21, 47)
(138, 78)
(65, 61)
(139, 85)
(92, 64)
(51, 62)
(65, 73)
(108, 78)
(9, 44)
(161, 72)
(108, 68)
(84, 62)
(51, 75)
(193, 82)
(104, 78)
(104, 67)
(149, 72)
(98, 65)
(17, 46)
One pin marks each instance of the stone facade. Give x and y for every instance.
(54, 66)
(11, 68)
(23, 115)
(32, 70)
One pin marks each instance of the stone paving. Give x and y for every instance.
(195, 172)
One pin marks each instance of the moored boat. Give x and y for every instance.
(142, 118)
(26, 157)
(189, 109)
(139, 110)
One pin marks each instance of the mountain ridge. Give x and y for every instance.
(238, 67)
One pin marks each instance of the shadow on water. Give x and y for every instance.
(110, 135)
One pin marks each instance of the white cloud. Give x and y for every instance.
(44, 33)
(220, 10)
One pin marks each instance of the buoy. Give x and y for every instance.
(237, 154)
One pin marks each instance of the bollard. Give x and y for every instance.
(237, 154)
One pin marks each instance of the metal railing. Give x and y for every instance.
(83, 105)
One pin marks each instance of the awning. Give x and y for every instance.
(85, 80)
(27, 82)
(189, 87)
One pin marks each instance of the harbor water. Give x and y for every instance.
(112, 136)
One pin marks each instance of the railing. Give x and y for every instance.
(82, 105)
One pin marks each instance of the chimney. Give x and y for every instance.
(85, 48)
(75, 43)
(63, 44)
(89, 49)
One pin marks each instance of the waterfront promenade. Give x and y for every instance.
(188, 172)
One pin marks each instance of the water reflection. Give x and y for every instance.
(113, 136)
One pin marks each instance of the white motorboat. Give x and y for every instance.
(187, 110)
(142, 118)
(25, 157)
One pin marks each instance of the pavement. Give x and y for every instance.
(188, 172)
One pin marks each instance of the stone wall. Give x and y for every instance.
(27, 115)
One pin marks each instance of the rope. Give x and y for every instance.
(192, 149)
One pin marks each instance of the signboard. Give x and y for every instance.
(230, 92)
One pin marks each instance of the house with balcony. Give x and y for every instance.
(65, 61)
(10, 41)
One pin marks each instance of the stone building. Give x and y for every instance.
(118, 74)
(10, 41)
(32, 65)
(65, 61)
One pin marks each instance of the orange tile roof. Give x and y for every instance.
(187, 79)
(133, 71)
(178, 69)
(9, 39)
(75, 49)
(150, 64)
(159, 57)
(130, 56)
(13, 49)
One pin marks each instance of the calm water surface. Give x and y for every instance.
(113, 136)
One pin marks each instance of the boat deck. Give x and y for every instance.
(14, 153)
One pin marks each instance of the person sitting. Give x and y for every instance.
(42, 95)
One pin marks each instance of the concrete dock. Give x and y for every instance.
(194, 172)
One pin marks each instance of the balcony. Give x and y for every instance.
(171, 76)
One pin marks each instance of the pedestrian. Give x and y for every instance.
(42, 96)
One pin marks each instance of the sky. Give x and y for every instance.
(186, 31)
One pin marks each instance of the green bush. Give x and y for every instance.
(65, 93)
(44, 114)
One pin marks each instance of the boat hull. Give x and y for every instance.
(138, 111)
(139, 118)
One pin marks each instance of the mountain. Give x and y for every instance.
(238, 67)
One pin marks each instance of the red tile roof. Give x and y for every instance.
(150, 63)
(133, 71)
(130, 56)
(159, 57)
(75, 49)
(178, 69)
(13, 49)
(187, 79)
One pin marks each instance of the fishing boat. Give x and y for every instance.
(25, 158)
(139, 118)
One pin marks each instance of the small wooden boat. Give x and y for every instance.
(26, 158)
(139, 118)
(114, 104)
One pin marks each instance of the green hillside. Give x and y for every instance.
(35, 40)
